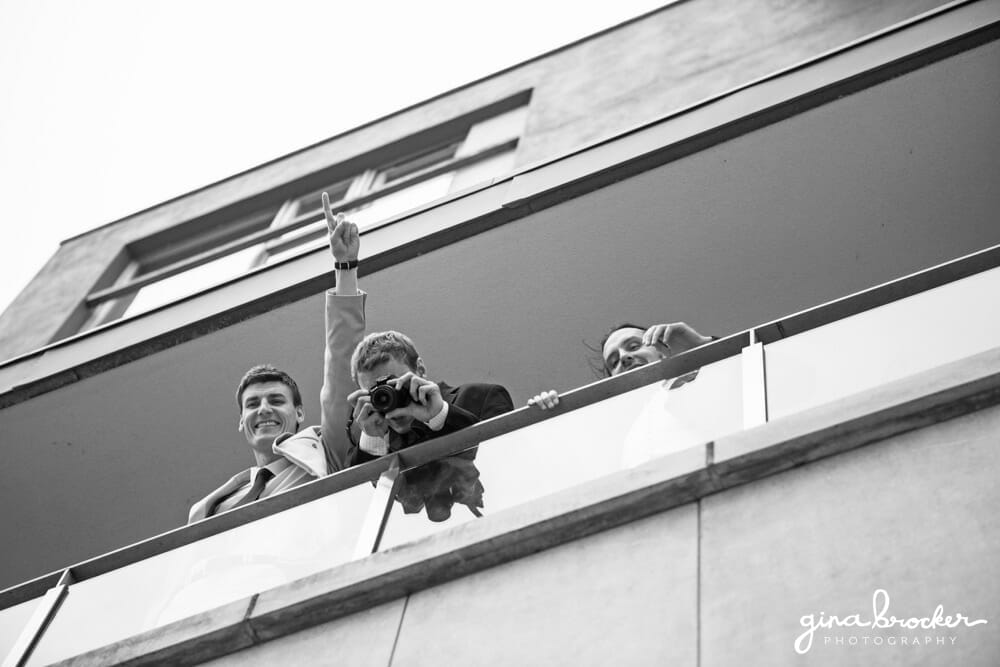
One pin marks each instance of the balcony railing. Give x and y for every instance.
(770, 371)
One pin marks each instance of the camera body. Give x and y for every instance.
(385, 397)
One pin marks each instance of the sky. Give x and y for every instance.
(108, 107)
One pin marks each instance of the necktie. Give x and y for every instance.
(263, 475)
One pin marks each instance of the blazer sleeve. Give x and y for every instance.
(345, 327)
(497, 402)
(463, 412)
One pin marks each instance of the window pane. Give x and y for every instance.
(314, 200)
(417, 163)
(314, 235)
(151, 255)
(495, 130)
(884, 344)
(194, 280)
(402, 200)
(202, 575)
(602, 438)
(310, 236)
(484, 170)
(292, 243)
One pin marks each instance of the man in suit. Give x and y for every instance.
(424, 409)
(270, 404)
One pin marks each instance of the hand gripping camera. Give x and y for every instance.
(385, 397)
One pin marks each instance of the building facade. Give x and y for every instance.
(812, 182)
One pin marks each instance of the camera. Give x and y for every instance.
(385, 397)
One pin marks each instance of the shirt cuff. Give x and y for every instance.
(437, 421)
(372, 445)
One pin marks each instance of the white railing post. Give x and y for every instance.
(40, 619)
(378, 512)
(754, 383)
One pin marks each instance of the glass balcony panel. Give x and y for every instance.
(205, 574)
(12, 622)
(602, 438)
(863, 351)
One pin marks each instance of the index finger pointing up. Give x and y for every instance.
(331, 222)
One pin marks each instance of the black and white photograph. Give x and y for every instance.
(552, 333)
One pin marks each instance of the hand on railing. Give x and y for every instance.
(545, 400)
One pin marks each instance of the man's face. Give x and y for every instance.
(268, 411)
(396, 368)
(623, 350)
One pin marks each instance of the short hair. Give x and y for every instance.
(623, 325)
(267, 373)
(381, 346)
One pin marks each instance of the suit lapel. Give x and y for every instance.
(200, 510)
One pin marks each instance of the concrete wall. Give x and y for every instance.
(909, 516)
(726, 580)
(589, 91)
(577, 604)
(862, 190)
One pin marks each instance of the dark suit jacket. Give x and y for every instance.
(467, 404)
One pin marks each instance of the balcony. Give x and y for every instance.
(842, 401)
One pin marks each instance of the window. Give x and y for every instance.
(163, 270)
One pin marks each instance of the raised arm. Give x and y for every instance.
(345, 326)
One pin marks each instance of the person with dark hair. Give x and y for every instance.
(398, 406)
(270, 403)
(667, 420)
(627, 346)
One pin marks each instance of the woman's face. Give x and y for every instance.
(623, 350)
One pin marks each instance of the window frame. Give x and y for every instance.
(108, 304)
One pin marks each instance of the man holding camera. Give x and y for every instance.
(397, 406)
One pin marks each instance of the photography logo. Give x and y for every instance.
(881, 628)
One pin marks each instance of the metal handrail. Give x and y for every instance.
(418, 454)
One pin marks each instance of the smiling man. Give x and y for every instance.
(271, 411)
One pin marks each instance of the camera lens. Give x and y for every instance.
(383, 398)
